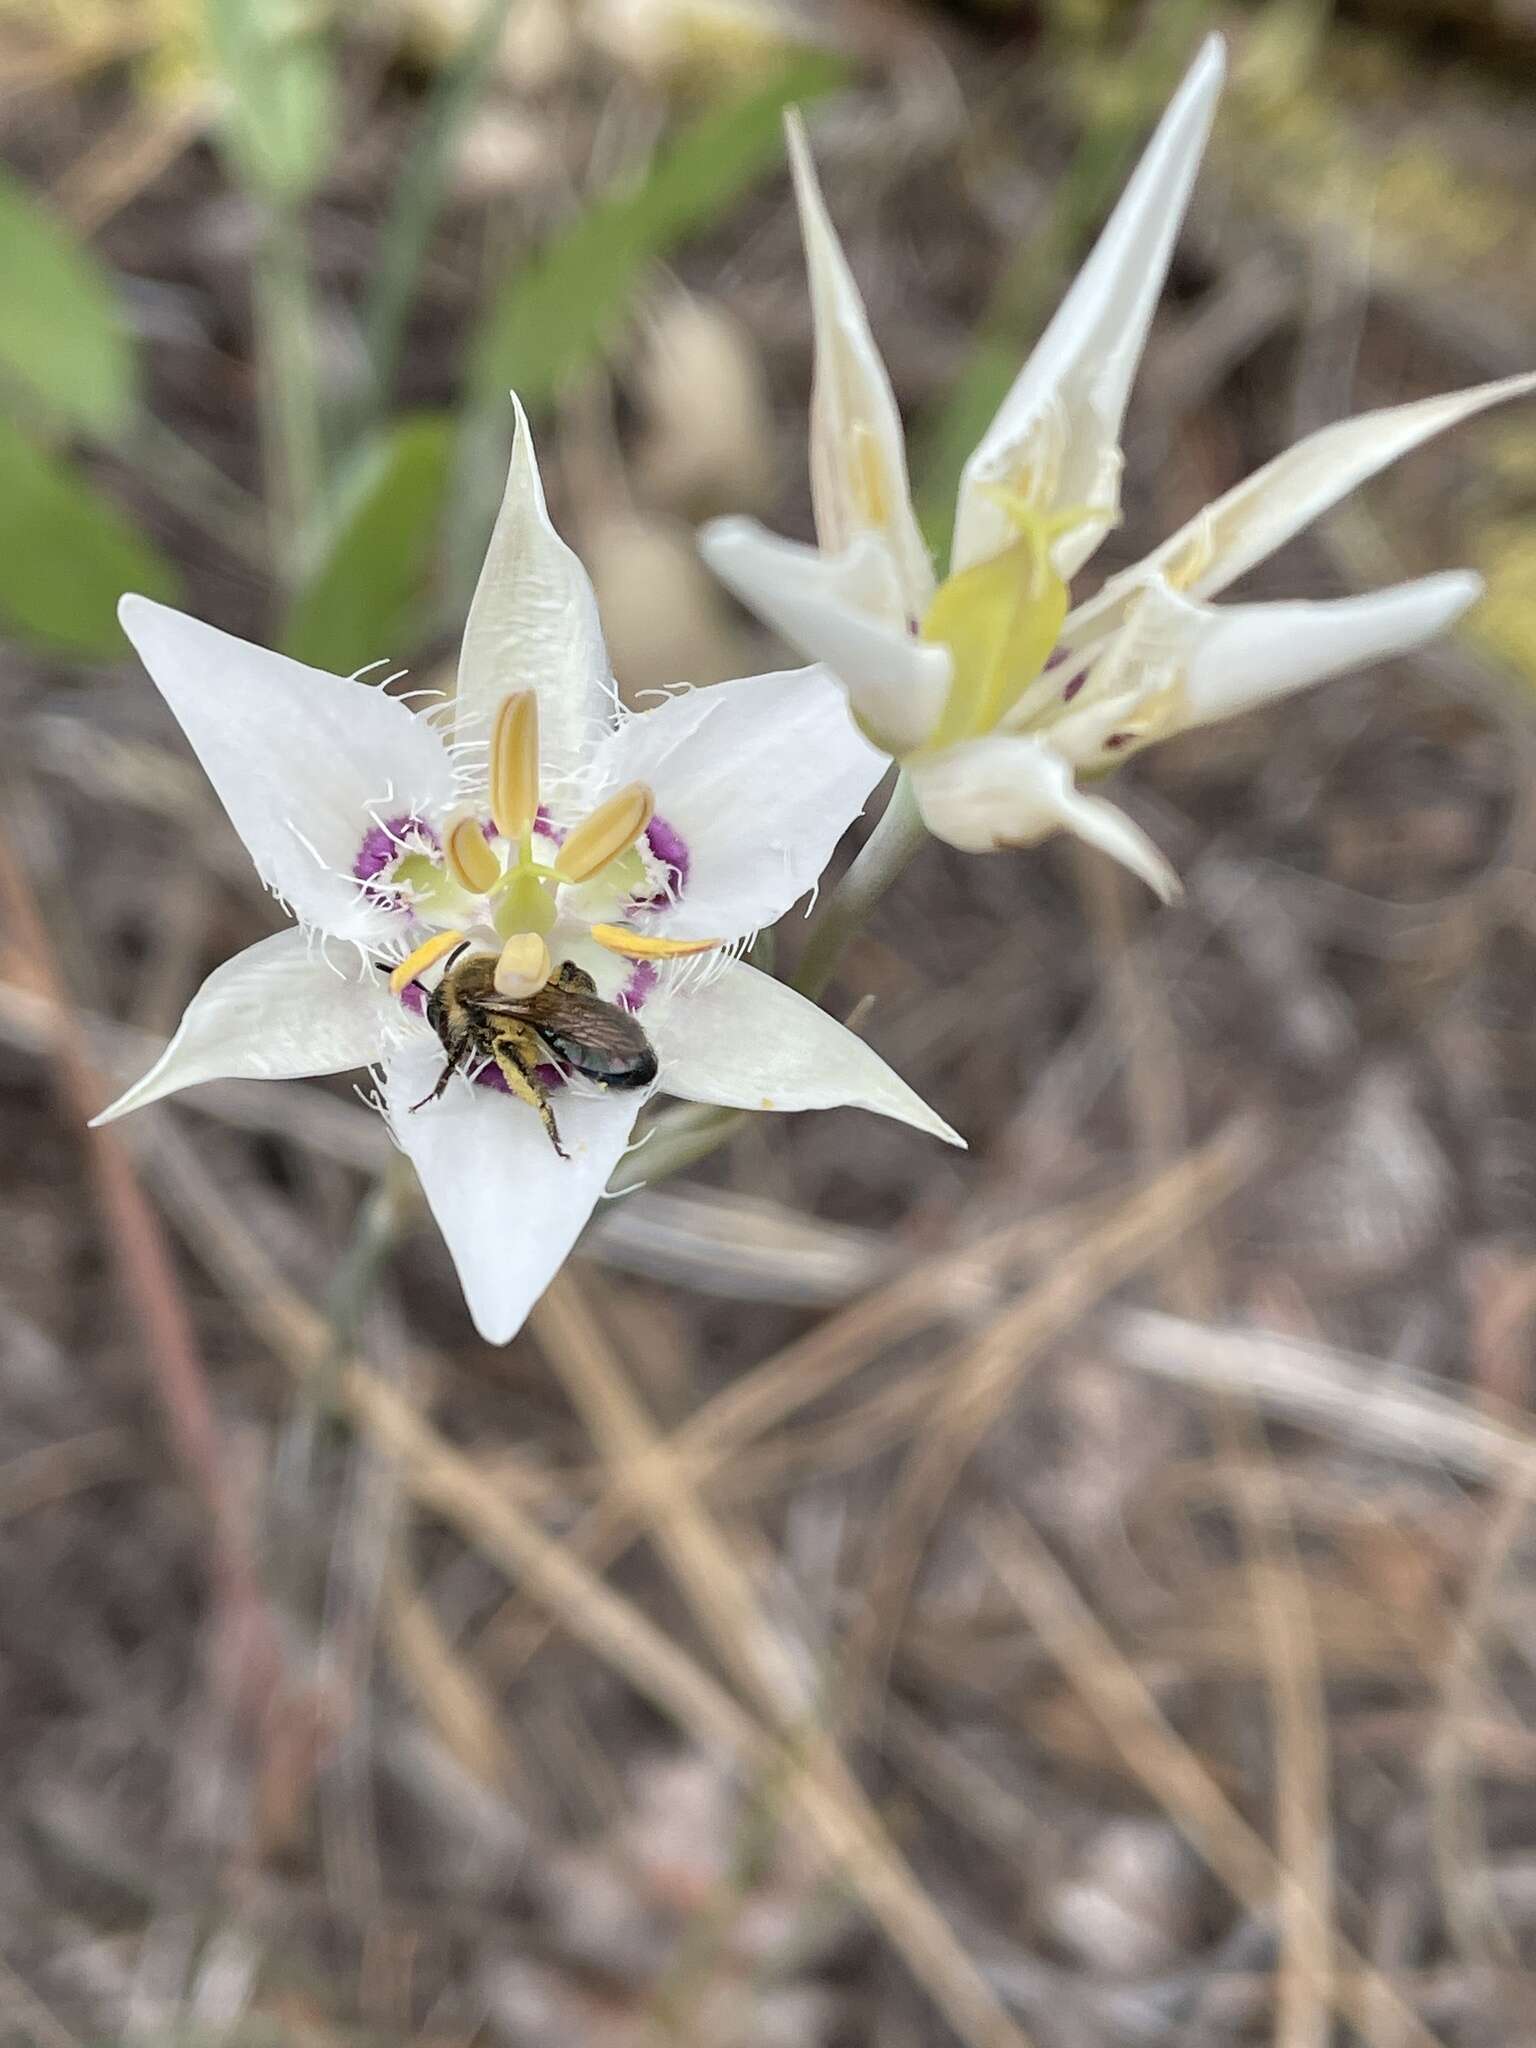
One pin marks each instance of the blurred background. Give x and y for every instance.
(1069, 1593)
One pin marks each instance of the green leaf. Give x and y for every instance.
(363, 601)
(66, 555)
(550, 320)
(62, 338)
(274, 60)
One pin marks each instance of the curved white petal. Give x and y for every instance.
(839, 609)
(746, 1041)
(303, 762)
(759, 778)
(858, 454)
(1248, 654)
(508, 1206)
(533, 625)
(1066, 408)
(1278, 501)
(1014, 791)
(276, 1012)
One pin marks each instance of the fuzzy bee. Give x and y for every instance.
(566, 1022)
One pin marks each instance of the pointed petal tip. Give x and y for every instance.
(719, 538)
(1211, 58)
(137, 615)
(1456, 589)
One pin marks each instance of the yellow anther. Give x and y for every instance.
(523, 967)
(514, 764)
(470, 861)
(426, 955)
(621, 938)
(611, 830)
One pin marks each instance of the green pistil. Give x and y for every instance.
(524, 900)
(1000, 621)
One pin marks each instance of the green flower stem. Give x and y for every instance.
(882, 857)
(681, 1137)
(288, 388)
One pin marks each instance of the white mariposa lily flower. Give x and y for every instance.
(987, 686)
(538, 821)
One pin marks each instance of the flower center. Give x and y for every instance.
(1000, 620)
(517, 885)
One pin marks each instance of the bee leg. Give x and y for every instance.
(517, 1071)
(454, 1061)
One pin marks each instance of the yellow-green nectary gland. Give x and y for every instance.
(1000, 621)
(523, 902)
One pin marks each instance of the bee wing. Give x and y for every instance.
(565, 1013)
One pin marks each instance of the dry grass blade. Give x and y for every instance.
(1478, 1927)
(446, 1483)
(950, 1286)
(1338, 1394)
(979, 1384)
(1114, 1692)
(249, 1643)
(447, 1689)
(1156, 1097)
(717, 1587)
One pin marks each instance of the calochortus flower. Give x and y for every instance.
(989, 686)
(533, 828)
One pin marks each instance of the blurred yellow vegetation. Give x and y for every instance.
(1337, 139)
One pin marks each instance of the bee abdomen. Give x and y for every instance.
(613, 1066)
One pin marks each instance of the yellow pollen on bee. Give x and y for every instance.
(513, 768)
(610, 831)
(470, 861)
(619, 938)
(524, 965)
(426, 955)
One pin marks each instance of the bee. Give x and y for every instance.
(566, 1021)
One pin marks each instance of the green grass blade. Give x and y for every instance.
(62, 338)
(274, 60)
(552, 318)
(66, 555)
(363, 602)
(418, 193)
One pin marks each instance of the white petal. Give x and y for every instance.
(1014, 791)
(508, 1206)
(748, 1042)
(533, 625)
(1076, 384)
(1248, 654)
(276, 1012)
(844, 610)
(1278, 501)
(858, 454)
(760, 778)
(303, 762)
